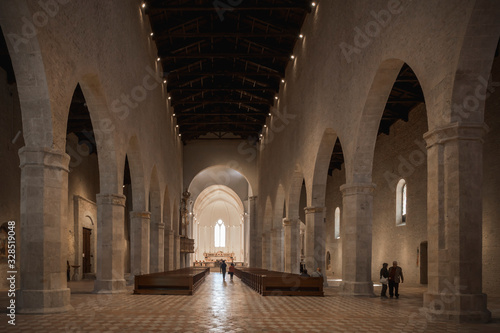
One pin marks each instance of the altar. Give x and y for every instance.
(218, 256)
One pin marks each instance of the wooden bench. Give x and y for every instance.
(271, 283)
(183, 281)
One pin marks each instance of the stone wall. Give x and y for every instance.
(11, 140)
(401, 154)
(334, 200)
(491, 184)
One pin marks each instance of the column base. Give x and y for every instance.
(460, 308)
(356, 288)
(110, 286)
(44, 301)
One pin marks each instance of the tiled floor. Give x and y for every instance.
(233, 307)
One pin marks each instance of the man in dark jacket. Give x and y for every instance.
(223, 269)
(395, 276)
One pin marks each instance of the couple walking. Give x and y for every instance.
(223, 267)
(392, 276)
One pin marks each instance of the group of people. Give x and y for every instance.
(392, 277)
(223, 267)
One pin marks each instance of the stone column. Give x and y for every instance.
(177, 251)
(292, 245)
(277, 249)
(255, 235)
(110, 244)
(357, 200)
(139, 243)
(266, 240)
(315, 249)
(44, 208)
(169, 251)
(157, 237)
(454, 223)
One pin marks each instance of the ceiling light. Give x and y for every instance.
(261, 135)
(179, 134)
(269, 114)
(301, 36)
(282, 80)
(158, 59)
(151, 34)
(165, 81)
(292, 57)
(313, 4)
(169, 98)
(173, 115)
(177, 126)
(275, 97)
(143, 5)
(265, 126)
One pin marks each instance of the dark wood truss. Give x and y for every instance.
(224, 60)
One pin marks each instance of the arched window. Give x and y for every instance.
(337, 223)
(220, 234)
(401, 202)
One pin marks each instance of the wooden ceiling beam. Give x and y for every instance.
(224, 55)
(213, 8)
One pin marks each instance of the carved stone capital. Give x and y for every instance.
(313, 210)
(456, 131)
(111, 199)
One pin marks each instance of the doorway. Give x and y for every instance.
(87, 265)
(423, 263)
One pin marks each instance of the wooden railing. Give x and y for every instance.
(271, 283)
(182, 281)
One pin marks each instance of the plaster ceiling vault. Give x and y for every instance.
(218, 202)
(224, 61)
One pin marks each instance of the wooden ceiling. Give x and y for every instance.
(224, 60)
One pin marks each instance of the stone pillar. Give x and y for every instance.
(357, 200)
(110, 244)
(266, 253)
(177, 251)
(169, 251)
(139, 243)
(454, 223)
(255, 235)
(277, 249)
(157, 237)
(44, 208)
(292, 245)
(315, 247)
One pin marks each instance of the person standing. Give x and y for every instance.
(395, 277)
(231, 271)
(384, 275)
(223, 269)
(317, 273)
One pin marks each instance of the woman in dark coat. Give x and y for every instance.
(384, 273)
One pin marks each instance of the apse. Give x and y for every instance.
(218, 224)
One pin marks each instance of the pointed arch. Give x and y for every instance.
(137, 175)
(321, 165)
(475, 63)
(156, 239)
(294, 193)
(278, 207)
(359, 166)
(28, 65)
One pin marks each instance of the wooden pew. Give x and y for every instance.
(271, 283)
(183, 281)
